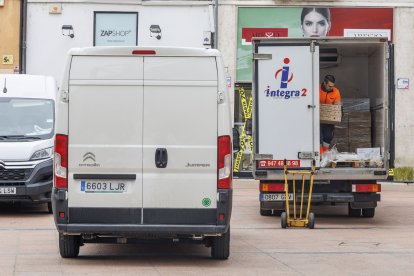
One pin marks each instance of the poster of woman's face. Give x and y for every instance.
(315, 22)
(306, 22)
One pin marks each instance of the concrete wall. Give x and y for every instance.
(181, 25)
(9, 34)
(404, 63)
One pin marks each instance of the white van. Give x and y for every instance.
(27, 112)
(143, 148)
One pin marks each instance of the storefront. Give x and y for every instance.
(280, 21)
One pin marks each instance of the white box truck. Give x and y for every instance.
(287, 74)
(143, 148)
(27, 117)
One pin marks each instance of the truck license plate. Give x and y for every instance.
(103, 187)
(274, 197)
(7, 190)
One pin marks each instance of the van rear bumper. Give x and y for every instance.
(138, 230)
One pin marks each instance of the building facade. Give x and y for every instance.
(53, 27)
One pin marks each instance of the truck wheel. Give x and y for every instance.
(278, 213)
(69, 245)
(368, 212)
(49, 208)
(220, 246)
(265, 212)
(311, 222)
(353, 213)
(283, 220)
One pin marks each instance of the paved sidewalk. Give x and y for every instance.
(338, 246)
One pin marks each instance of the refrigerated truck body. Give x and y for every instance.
(287, 74)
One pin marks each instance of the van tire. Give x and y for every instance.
(368, 212)
(49, 208)
(69, 245)
(220, 246)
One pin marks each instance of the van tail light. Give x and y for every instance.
(61, 161)
(224, 166)
(272, 187)
(366, 188)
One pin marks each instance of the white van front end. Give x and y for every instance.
(143, 148)
(27, 105)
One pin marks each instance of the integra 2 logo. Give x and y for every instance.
(285, 77)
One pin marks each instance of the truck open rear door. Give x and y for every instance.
(287, 95)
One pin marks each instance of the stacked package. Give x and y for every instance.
(359, 130)
(355, 129)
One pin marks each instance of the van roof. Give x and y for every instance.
(27, 86)
(128, 51)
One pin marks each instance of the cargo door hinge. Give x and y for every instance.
(65, 95)
(313, 46)
(220, 97)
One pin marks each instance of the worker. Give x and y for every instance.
(328, 94)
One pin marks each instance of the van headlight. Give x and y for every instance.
(42, 154)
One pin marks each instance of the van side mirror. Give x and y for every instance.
(236, 140)
(248, 129)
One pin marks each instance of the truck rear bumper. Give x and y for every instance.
(141, 230)
(357, 200)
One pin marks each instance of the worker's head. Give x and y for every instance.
(328, 83)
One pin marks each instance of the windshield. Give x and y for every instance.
(22, 119)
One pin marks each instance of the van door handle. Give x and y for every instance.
(161, 158)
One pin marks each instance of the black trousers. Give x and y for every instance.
(327, 133)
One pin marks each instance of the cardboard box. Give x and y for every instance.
(330, 114)
(356, 104)
(359, 119)
(341, 132)
(360, 133)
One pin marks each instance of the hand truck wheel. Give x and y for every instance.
(311, 222)
(283, 220)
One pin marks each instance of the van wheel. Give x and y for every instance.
(368, 212)
(220, 247)
(69, 245)
(49, 208)
(353, 213)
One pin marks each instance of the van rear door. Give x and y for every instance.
(287, 104)
(180, 140)
(105, 139)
